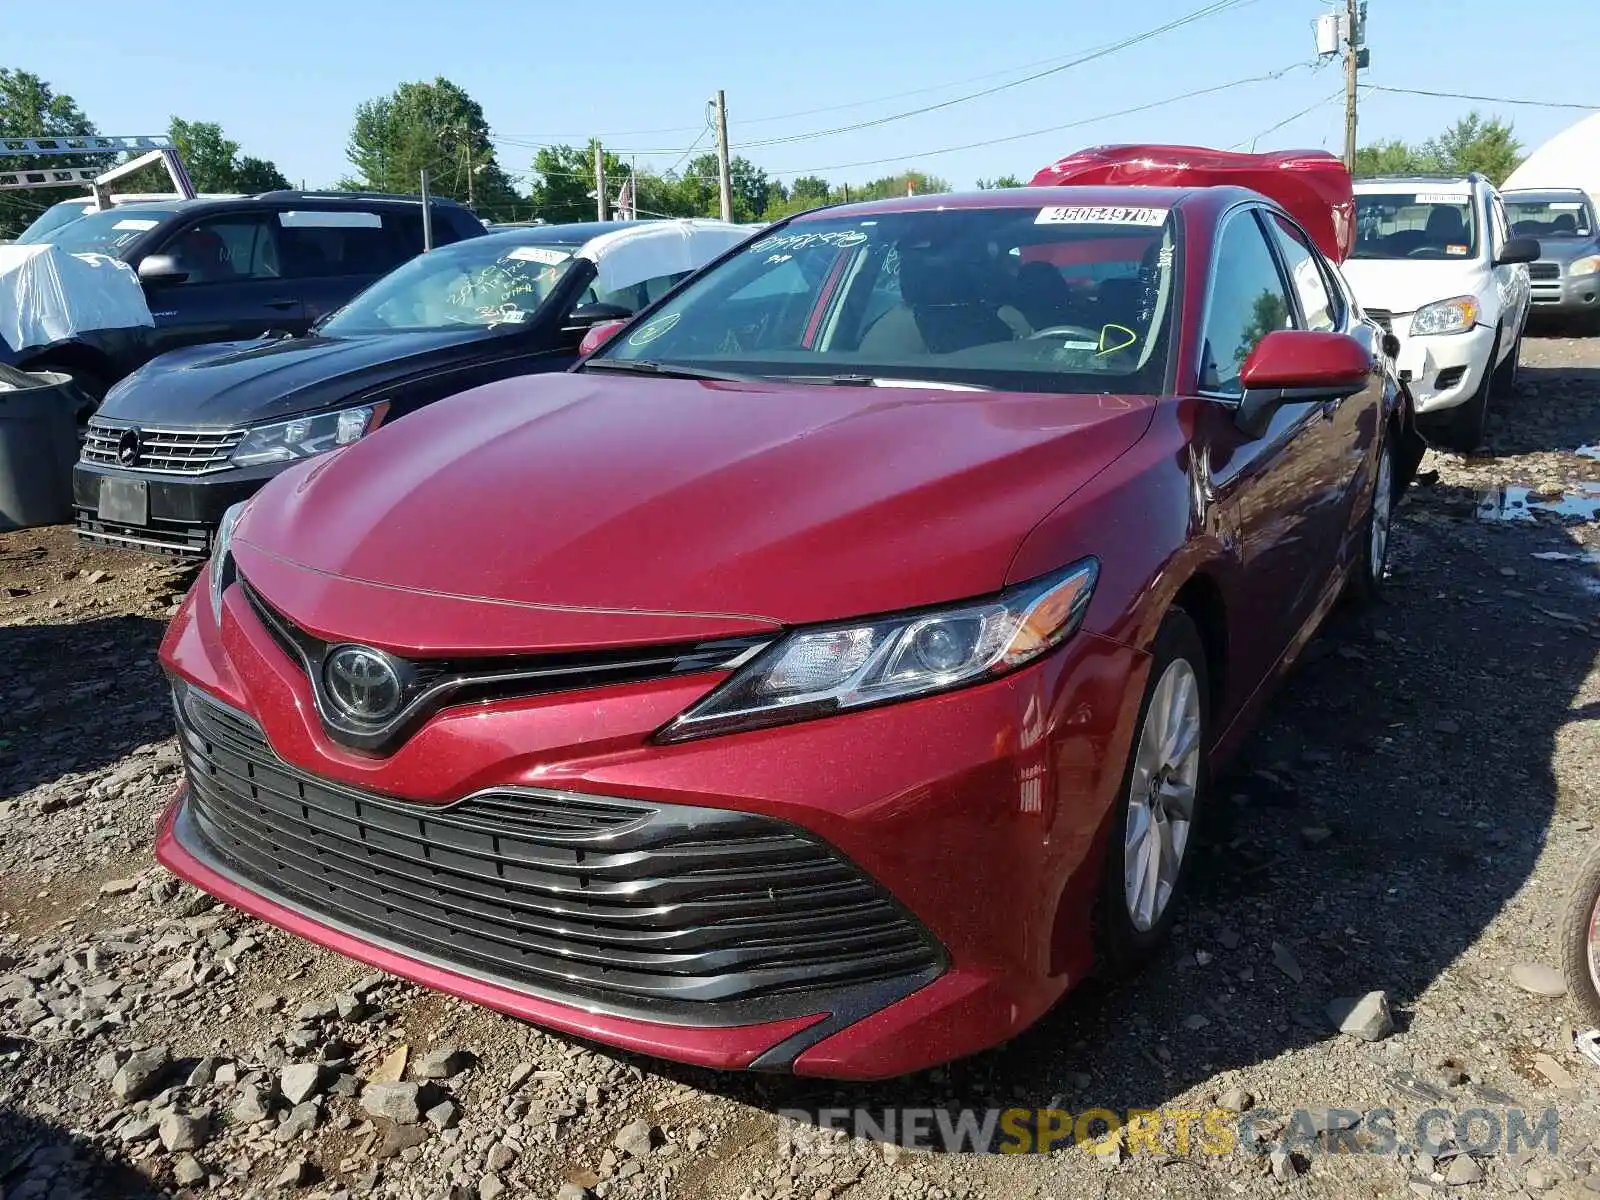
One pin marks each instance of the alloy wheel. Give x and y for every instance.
(1382, 513)
(1161, 801)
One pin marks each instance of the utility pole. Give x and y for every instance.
(722, 156)
(599, 180)
(1355, 57)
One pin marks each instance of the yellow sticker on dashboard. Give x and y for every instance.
(1106, 335)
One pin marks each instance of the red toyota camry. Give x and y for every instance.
(826, 673)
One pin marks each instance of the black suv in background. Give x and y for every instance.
(236, 267)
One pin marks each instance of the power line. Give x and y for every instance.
(537, 139)
(1378, 87)
(1308, 109)
(1078, 124)
(1208, 10)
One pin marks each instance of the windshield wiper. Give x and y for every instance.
(648, 366)
(855, 380)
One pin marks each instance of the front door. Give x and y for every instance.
(1273, 489)
(234, 285)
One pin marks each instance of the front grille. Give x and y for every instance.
(706, 915)
(162, 451)
(1544, 270)
(177, 539)
(1383, 317)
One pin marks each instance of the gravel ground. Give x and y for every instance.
(1406, 823)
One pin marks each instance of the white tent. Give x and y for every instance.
(1571, 159)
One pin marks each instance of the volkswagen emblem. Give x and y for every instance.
(129, 447)
(362, 684)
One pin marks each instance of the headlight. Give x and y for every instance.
(1587, 265)
(825, 669)
(301, 437)
(222, 571)
(1455, 315)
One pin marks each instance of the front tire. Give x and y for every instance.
(1505, 375)
(1151, 848)
(1580, 953)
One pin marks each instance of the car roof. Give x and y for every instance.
(1537, 194)
(336, 199)
(1025, 197)
(575, 233)
(1443, 182)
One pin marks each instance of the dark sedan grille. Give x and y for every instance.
(704, 914)
(163, 451)
(174, 539)
(1383, 317)
(1544, 270)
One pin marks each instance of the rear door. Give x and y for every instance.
(1277, 488)
(234, 286)
(333, 253)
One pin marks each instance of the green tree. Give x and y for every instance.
(253, 175)
(919, 182)
(435, 127)
(1002, 181)
(750, 189)
(1473, 143)
(30, 107)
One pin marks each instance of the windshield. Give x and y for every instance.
(1058, 299)
(51, 219)
(107, 232)
(479, 282)
(1415, 225)
(1549, 218)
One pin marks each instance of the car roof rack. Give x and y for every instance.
(98, 179)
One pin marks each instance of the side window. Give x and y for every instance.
(1502, 229)
(335, 242)
(1247, 302)
(227, 249)
(1318, 301)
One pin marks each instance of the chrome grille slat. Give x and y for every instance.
(164, 451)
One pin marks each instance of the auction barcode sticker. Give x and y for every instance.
(538, 254)
(1440, 198)
(1099, 215)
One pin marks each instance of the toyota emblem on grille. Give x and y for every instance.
(129, 447)
(362, 684)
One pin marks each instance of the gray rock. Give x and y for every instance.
(297, 1174)
(571, 1191)
(396, 1101)
(352, 1007)
(1284, 1165)
(204, 1072)
(443, 1115)
(368, 984)
(317, 1010)
(119, 887)
(1464, 1169)
(500, 1157)
(137, 1078)
(180, 1132)
(519, 1076)
(302, 1081)
(254, 1104)
(1541, 1177)
(636, 1139)
(187, 1171)
(1235, 1099)
(302, 1118)
(1365, 1017)
(441, 1063)
(399, 1139)
(491, 1187)
(1285, 962)
(1539, 979)
(105, 1067)
(139, 1129)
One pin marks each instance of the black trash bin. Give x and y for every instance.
(38, 445)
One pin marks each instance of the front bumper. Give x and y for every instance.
(1555, 293)
(1442, 370)
(183, 510)
(980, 815)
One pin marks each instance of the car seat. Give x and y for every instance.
(945, 306)
(1446, 227)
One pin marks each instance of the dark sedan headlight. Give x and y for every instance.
(825, 669)
(302, 437)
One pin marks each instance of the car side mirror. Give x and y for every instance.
(1519, 250)
(1298, 364)
(588, 315)
(599, 335)
(161, 268)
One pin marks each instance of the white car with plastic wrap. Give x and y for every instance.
(1435, 263)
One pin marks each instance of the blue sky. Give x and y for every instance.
(283, 79)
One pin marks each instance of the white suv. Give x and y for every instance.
(1435, 264)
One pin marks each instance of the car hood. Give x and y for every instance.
(778, 503)
(1565, 249)
(1405, 285)
(229, 384)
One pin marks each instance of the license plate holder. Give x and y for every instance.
(125, 501)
